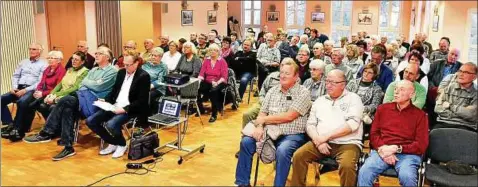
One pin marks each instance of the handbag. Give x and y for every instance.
(143, 146)
(266, 149)
(273, 131)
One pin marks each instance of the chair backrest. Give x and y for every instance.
(447, 144)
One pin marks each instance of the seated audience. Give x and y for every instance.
(202, 47)
(390, 60)
(148, 45)
(193, 38)
(90, 60)
(128, 46)
(344, 42)
(189, 63)
(293, 47)
(281, 38)
(303, 41)
(213, 78)
(226, 51)
(352, 59)
(441, 68)
(399, 138)
(335, 129)
(319, 54)
(337, 63)
(213, 37)
(456, 104)
(156, 70)
(316, 83)
(164, 43)
(52, 75)
(52, 105)
(370, 93)
(290, 115)
(416, 48)
(442, 52)
(130, 99)
(25, 78)
(314, 38)
(362, 47)
(411, 73)
(401, 51)
(181, 42)
(171, 58)
(244, 66)
(236, 43)
(414, 58)
(385, 75)
(269, 58)
(302, 61)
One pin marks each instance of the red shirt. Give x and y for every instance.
(210, 74)
(50, 79)
(408, 128)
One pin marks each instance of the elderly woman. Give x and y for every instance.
(352, 59)
(368, 90)
(328, 47)
(226, 51)
(303, 41)
(316, 83)
(156, 70)
(171, 58)
(244, 65)
(67, 87)
(213, 77)
(390, 60)
(318, 52)
(26, 108)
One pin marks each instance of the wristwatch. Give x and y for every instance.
(400, 149)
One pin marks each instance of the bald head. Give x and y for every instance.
(453, 55)
(411, 72)
(82, 46)
(404, 91)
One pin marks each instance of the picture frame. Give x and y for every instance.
(318, 17)
(211, 17)
(272, 16)
(365, 18)
(186, 17)
(436, 20)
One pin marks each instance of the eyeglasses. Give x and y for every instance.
(52, 58)
(314, 69)
(466, 72)
(99, 53)
(128, 47)
(128, 65)
(333, 83)
(76, 59)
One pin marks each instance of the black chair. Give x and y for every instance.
(450, 144)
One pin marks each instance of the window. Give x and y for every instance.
(341, 19)
(472, 37)
(252, 16)
(295, 17)
(389, 19)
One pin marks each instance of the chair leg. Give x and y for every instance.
(250, 90)
(257, 170)
(199, 113)
(77, 130)
(224, 103)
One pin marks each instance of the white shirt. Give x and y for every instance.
(327, 116)
(123, 96)
(171, 60)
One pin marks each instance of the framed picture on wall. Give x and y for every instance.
(211, 17)
(436, 19)
(272, 17)
(365, 18)
(318, 17)
(186, 17)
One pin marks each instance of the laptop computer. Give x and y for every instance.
(169, 111)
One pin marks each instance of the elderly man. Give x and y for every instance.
(426, 45)
(335, 129)
(457, 102)
(354, 38)
(193, 38)
(25, 78)
(442, 52)
(302, 61)
(385, 77)
(293, 47)
(383, 40)
(130, 45)
(89, 61)
(164, 43)
(269, 57)
(148, 46)
(130, 99)
(337, 63)
(212, 38)
(411, 73)
(399, 137)
(316, 83)
(328, 47)
(286, 106)
(441, 68)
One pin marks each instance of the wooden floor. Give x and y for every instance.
(26, 164)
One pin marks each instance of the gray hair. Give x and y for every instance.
(318, 45)
(57, 54)
(193, 47)
(157, 51)
(317, 63)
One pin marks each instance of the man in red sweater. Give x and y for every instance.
(399, 137)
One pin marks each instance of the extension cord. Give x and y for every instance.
(140, 165)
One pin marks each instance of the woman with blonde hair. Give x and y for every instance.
(352, 58)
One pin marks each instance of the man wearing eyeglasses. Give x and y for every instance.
(302, 60)
(25, 78)
(456, 104)
(411, 73)
(89, 61)
(127, 47)
(337, 63)
(335, 129)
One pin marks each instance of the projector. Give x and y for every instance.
(176, 79)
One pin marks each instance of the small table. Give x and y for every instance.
(177, 144)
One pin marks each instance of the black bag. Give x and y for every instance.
(143, 146)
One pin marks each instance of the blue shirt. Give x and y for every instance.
(29, 73)
(157, 73)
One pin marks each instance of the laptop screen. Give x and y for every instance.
(170, 107)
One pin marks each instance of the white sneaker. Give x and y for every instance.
(108, 150)
(119, 151)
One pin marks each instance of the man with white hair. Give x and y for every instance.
(164, 43)
(25, 78)
(148, 45)
(328, 47)
(89, 61)
(441, 68)
(337, 63)
(316, 82)
(354, 38)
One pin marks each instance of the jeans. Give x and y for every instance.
(112, 133)
(7, 98)
(63, 116)
(86, 99)
(245, 79)
(285, 148)
(406, 167)
(25, 113)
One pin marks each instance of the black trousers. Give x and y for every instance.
(62, 117)
(263, 72)
(214, 94)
